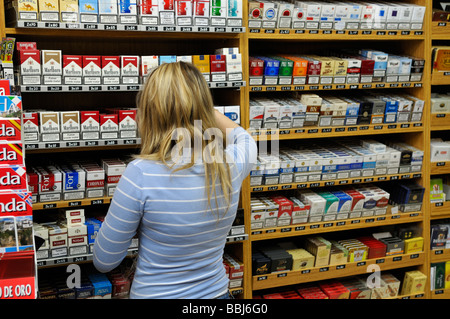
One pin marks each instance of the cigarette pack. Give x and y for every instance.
(92, 70)
(202, 62)
(234, 67)
(68, 10)
(127, 11)
(107, 11)
(218, 68)
(201, 12)
(166, 10)
(88, 11)
(90, 125)
(30, 62)
(49, 126)
(72, 69)
(255, 14)
(111, 69)
(129, 69)
(109, 126)
(234, 15)
(148, 63)
(27, 10)
(70, 125)
(52, 66)
(218, 13)
(49, 10)
(184, 12)
(233, 113)
(127, 123)
(148, 12)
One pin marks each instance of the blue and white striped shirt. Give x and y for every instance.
(181, 242)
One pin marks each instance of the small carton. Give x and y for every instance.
(68, 10)
(90, 125)
(218, 13)
(92, 70)
(184, 12)
(129, 69)
(30, 62)
(107, 11)
(148, 12)
(70, 125)
(127, 11)
(203, 64)
(127, 123)
(218, 68)
(109, 126)
(148, 62)
(27, 10)
(49, 10)
(111, 70)
(234, 14)
(49, 126)
(201, 12)
(52, 66)
(166, 10)
(72, 69)
(88, 11)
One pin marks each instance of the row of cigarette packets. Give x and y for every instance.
(310, 206)
(314, 161)
(51, 126)
(344, 66)
(203, 13)
(355, 15)
(73, 180)
(52, 67)
(301, 110)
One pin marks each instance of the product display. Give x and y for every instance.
(317, 211)
(324, 110)
(317, 251)
(183, 13)
(363, 66)
(53, 67)
(352, 158)
(330, 16)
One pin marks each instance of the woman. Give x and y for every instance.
(181, 192)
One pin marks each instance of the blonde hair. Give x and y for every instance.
(173, 97)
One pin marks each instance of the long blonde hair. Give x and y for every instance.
(173, 97)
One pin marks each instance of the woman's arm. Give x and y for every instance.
(224, 123)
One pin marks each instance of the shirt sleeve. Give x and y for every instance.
(241, 150)
(121, 221)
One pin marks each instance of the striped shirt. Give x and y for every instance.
(181, 241)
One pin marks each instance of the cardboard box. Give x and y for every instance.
(127, 123)
(49, 10)
(127, 11)
(218, 68)
(218, 13)
(27, 10)
(88, 11)
(234, 13)
(202, 62)
(184, 12)
(166, 10)
(30, 62)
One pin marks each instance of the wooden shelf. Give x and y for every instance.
(315, 87)
(291, 34)
(440, 78)
(440, 294)
(440, 30)
(335, 225)
(439, 255)
(335, 131)
(440, 122)
(336, 271)
(440, 210)
(97, 30)
(351, 181)
(438, 168)
(72, 203)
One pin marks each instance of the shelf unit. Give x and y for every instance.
(417, 43)
(413, 43)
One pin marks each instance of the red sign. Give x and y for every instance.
(4, 87)
(17, 288)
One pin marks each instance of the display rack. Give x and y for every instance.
(176, 40)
